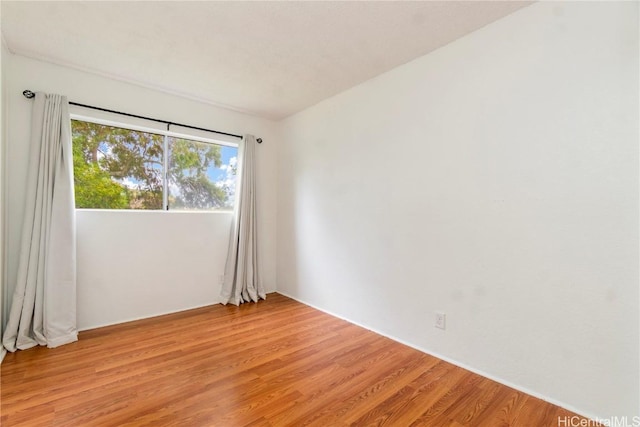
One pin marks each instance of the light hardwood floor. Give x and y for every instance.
(276, 363)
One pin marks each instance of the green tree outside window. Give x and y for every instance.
(118, 168)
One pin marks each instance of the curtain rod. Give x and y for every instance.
(29, 94)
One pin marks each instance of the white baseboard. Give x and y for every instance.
(454, 362)
(163, 313)
(146, 316)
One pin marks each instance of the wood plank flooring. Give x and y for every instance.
(276, 363)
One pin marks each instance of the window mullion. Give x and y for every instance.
(165, 174)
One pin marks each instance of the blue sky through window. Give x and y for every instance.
(226, 154)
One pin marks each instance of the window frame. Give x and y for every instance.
(189, 135)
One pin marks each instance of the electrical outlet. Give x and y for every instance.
(441, 319)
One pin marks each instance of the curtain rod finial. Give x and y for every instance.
(28, 94)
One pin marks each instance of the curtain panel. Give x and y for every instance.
(242, 279)
(43, 308)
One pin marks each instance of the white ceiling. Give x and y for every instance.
(269, 59)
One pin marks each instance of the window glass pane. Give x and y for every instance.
(116, 168)
(201, 175)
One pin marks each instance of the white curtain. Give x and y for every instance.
(43, 309)
(242, 282)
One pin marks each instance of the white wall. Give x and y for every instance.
(495, 179)
(137, 264)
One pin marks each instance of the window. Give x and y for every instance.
(119, 168)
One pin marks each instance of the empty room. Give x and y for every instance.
(323, 213)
